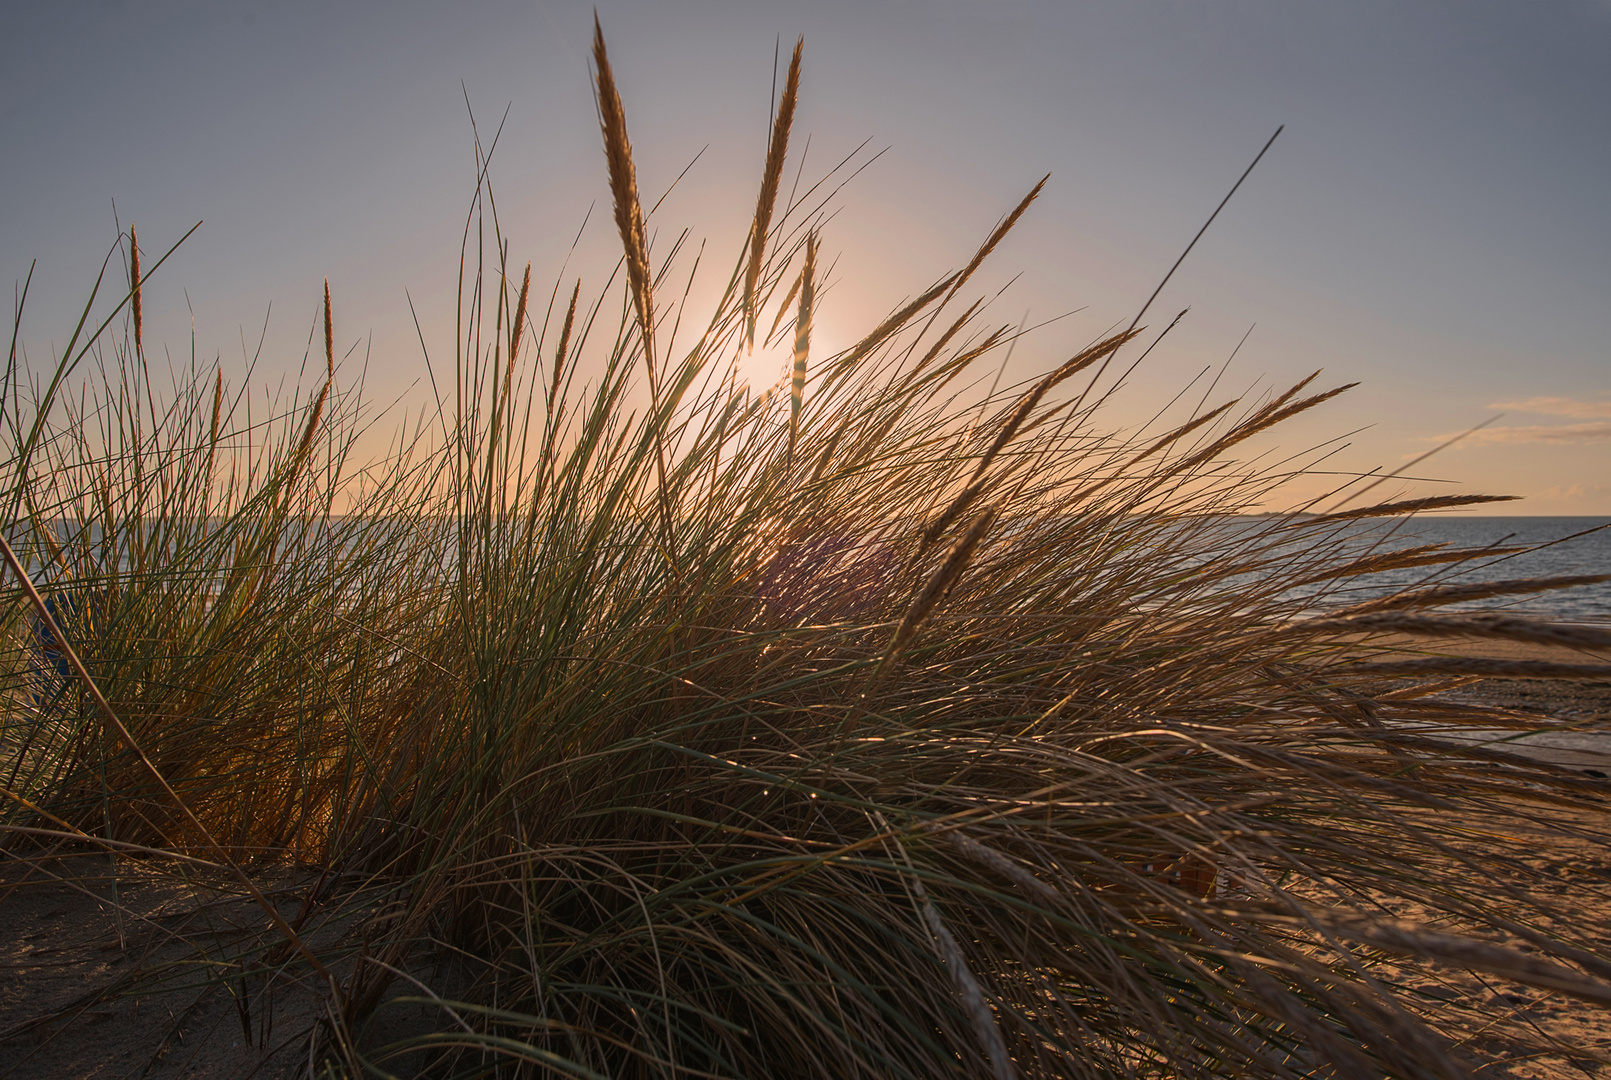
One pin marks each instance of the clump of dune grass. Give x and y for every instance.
(630, 722)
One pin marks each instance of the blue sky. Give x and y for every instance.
(1435, 221)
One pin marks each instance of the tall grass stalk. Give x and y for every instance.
(898, 733)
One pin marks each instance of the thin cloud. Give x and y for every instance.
(1576, 493)
(1540, 433)
(1559, 406)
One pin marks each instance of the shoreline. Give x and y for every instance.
(1583, 703)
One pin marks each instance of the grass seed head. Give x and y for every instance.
(305, 444)
(624, 194)
(1406, 506)
(1502, 627)
(1441, 595)
(564, 342)
(329, 335)
(802, 340)
(134, 292)
(777, 149)
(939, 585)
(997, 235)
(1404, 558)
(519, 328)
(783, 308)
(218, 405)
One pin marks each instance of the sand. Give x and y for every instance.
(71, 958)
(1583, 703)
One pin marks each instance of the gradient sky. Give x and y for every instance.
(1434, 223)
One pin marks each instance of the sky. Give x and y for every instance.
(1434, 221)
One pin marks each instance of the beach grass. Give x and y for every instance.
(627, 721)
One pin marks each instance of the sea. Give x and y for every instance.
(1563, 546)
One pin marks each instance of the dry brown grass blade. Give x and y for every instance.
(1502, 627)
(1406, 506)
(1073, 366)
(1267, 417)
(624, 194)
(1437, 686)
(889, 326)
(1403, 558)
(1182, 431)
(945, 338)
(937, 527)
(967, 984)
(783, 308)
(317, 412)
(939, 585)
(564, 343)
(776, 150)
(329, 335)
(519, 328)
(996, 236)
(1439, 595)
(826, 457)
(1413, 939)
(1484, 668)
(802, 341)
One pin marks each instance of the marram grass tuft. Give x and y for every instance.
(887, 734)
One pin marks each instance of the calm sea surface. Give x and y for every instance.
(1566, 546)
(1590, 554)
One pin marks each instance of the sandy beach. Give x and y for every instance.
(1586, 705)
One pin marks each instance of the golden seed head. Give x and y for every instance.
(329, 335)
(134, 291)
(624, 193)
(776, 149)
(520, 315)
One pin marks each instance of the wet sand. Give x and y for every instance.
(1582, 706)
(1585, 703)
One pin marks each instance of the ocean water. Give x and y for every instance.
(1586, 552)
(1564, 546)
